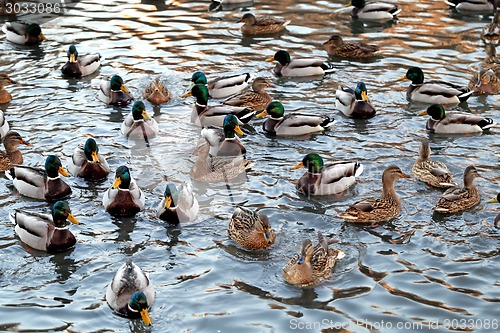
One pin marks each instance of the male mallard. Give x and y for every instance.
(373, 210)
(434, 91)
(131, 293)
(374, 10)
(114, 92)
(138, 124)
(87, 163)
(250, 229)
(44, 232)
(313, 264)
(224, 142)
(5, 96)
(80, 65)
(257, 98)
(299, 66)
(472, 5)
(457, 199)
(156, 92)
(454, 123)
(12, 155)
(178, 206)
(355, 103)
(492, 200)
(336, 47)
(491, 31)
(124, 197)
(41, 183)
(291, 124)
(4, 125)
(433, 173)
(262, 25)
(222, 86)
(23, 33)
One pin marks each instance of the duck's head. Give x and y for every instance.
(122, 178)
(72, 53)
(91, 150)
(335, 41)
(34, 30)
(275, 109)
(248, 18)
(360, 92)
(436, 111)
(470, 173)
(171, 196)
(306, 252)
(5, 80)
(313, 162)
(264, 227)
(116, 84)
(53, 167)
(139, 111)
(425, 149)
(12, 139)
(281, 56)
(199, 78)
(139, 303)
(200, 92)
(60, 213)
(358, 3)
(392, 173)
(260, 84)
(231, 126)
(414, 74)
(495, 199)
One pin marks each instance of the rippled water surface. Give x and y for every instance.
(419, 269)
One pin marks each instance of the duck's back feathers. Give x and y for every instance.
(225, 86)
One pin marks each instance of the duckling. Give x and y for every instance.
(336, 47)
(299, 66)
(472, 5)
(355, 103)
(45, 232)
(491, 31)
(12, 155)
(373, 210)
(262, 25)
(4, 125)
(457, 199)
(258, 98)
(374, 10)
(222, 86)
(87, 163)
(156, 92)
(23, 33)
(313, 265)
(250, 229)
(497, 219)
(178, 206)
(78, 66)
(5, 96)
(39, 183)
(139, 124)
(124, 197)
(433, 173)
(131, 292)
(114, 92)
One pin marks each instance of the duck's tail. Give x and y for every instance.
(328, 67)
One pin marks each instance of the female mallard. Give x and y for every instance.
(485, 81)
(80, 65)
(313, 265)
(250, 230)
(492, 200)
(131, 293)
(87, 163)
(373, 210)
(291, 124)
(178, 206)
(457, 199)
(5, 96)
(114, 92)
(332, 178)
(257, 98)
(124, 197)
(454, 123)
(491, 31)
(299, 66)
(374, 10)
(336, 47)
(41, 183)
(262, 25)
(139, 124)
(355, 103)
(44, 232)
(433, 173)
(472, 5)
(23, 33)
(12, 155)
(222, 86)
(156, 92)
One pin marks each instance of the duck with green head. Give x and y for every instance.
(12, 156)
(178, 205)
(23, 33)
(138, 124)
(355, 103)
(251, 229)
(222, 86)
(115, 92)
(80, 65)
(5, 96)
(287, 66)
(87, 163)
(124, 197)
(457, 199)
(496, 200)
(374, 10)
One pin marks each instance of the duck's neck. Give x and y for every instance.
(388, 192)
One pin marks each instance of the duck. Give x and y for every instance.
(4, 125)
(433, 173)
(114, 92)
(257, 98)
(457, 199)
(5, 96)
(291, 124)
(354, 103)
(80, 65)
(262, 25)
(336, 47)
(374, 210)
(485, 81)
(138, 124)
(87, 163)
(434, 91)
(131, 292)
(441, 122)
(38, 183)
(332, 178)
(496, 200)
(299, 66)
(156, 92)
(11, 156)
(224, 142)
(45, 232)
(23, 33)
(178, 205)
(491, 32)
(124, 197)
(250, 229)
(473, 5)
(374, 10)
(222, 86)
(313, 264)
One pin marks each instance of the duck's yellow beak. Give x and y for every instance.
(124, 88)
(95, 157)
(168, 202)
(238, 130)
(347, 5)
(42, 36)
(63, 172)
(405, 176)
(402, 78)
(72, 219)
(72, 58)
(298, 166)
(423, 113)
(492, 200)
(145, 317)
(188, 94)
(270, 59)
(25, 143)
(146, 115)
(262, 114)
(117, 182)
(364, 96)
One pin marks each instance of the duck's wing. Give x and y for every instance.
(34, 229)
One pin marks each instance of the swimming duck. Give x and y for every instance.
(457, 199)
(224, 142)
(433, 173)
(485, 81)
(262, 25)
(138, 124)
(374, 10)
(222, 86)
(355, 103)
(5, 96)
(12, 155)
(23, 33)
(80, 65)
(491, 31)
(41, 183)
(124, 197)
(4, 125)
(250, 229)
(373, 210)
(497, 219)
(131, 292)
(45, 232)
(313, 265)
(257, 98)
(434, 91)
(472, 5)
(299, 66)
(336, 47)
(291, 124)
(87, 163)
(114, 92)
(178, 206)
(454, 123)
(156, 92)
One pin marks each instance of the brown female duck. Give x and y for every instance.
(5, 96)
(336, 47)
(457, 199)
(257, 98)
(156, 92)
(433, 173)
(262, 25)
(12, 155)
(250, 229)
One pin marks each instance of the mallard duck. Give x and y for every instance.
(457, 199)
(262, 25)
(336, 47)
(178, 206)
(313, 264)
(433, 173)
(433, 91)
(224, 142)
(373, 210)
(114, 92)
(257, 98)
(4, 125)
(80, 65)
(156, 92)
(491, 31)
(23, 33)
(354, 103)
(291, 124)
(374, 10)
(222, 86)
(472, 5)
(454, 123)
(131, 293)
(41, 183)
(12, 155)
(5, 96)
(250, 229)
(485, 82)
(332, 178)
(45, 232)
(124, 197)
(87, 163)
(138, 124)
(492, 200)
(299, 66)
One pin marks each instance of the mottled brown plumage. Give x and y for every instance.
(156, 92)
(336, 47)
(433, 173)
(491, 31)
(250, 229)
(457, 199)
(257, 98)
(12, 155)
(262, 25)
(5, 96)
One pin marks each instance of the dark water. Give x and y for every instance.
(421, 272)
